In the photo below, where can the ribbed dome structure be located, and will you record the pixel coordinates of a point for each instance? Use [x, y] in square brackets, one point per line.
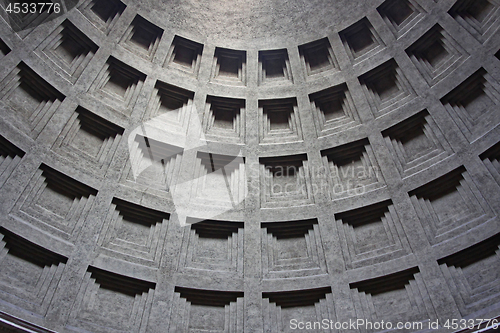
[250, 166]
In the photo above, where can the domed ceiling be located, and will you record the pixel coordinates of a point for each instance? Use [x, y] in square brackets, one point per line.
[250, 166]
[258, 20]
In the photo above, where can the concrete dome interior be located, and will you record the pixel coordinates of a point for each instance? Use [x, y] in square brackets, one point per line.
[250, 166]
[259, 21]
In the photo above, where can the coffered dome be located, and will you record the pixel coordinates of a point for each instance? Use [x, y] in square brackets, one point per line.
[250, 166]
